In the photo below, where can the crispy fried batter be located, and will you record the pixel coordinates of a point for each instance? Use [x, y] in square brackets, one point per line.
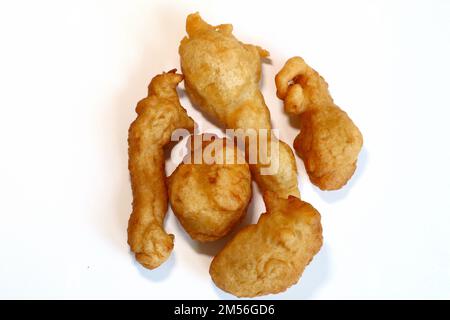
[328, 142]
[222, 77]
[210, 198]
[158, 115]
[270, 256]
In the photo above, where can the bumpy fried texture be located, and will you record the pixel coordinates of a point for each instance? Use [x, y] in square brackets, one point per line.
[158, 115]
[222, 77]
[270, 256]
[328, 142]
[210, 198]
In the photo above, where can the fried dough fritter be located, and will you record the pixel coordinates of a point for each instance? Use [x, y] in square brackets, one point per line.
[222, 77]
[270, 256]
[209, 199]
[329, 142]
[158, 116]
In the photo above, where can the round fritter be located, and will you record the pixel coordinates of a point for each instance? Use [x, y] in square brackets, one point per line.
[210, 199]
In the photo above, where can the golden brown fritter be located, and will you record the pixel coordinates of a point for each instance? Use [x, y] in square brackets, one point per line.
[158, 116]
[270, 256]
[328, 142]
[210, 198]
[222, 77]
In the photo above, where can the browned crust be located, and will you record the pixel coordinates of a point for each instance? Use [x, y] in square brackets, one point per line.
[158, 115]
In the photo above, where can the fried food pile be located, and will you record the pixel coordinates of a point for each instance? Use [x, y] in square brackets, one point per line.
[210, 189]
[222, 77]
[270, 256]
[329, 142]
[158, 116]
[210, 198]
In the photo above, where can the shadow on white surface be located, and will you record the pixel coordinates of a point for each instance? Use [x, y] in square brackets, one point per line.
[313, 278]
[156, 275]
[338, 195]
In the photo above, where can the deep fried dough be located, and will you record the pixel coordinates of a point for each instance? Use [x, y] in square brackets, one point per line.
[158, 115]
[328, 142]
[222, 77]
[270, 256]
[209, 199]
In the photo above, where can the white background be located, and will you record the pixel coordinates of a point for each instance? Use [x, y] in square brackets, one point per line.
[72, 72]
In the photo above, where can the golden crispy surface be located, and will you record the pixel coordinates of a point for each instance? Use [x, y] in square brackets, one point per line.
[270, 256]
[158, 115]
[222, 77]
[210, 199]
[328, 142]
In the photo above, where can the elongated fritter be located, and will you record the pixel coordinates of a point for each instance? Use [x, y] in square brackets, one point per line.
[158, 116]
[270, 256]
[209, 194]
[222, 77]
[329, 142]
